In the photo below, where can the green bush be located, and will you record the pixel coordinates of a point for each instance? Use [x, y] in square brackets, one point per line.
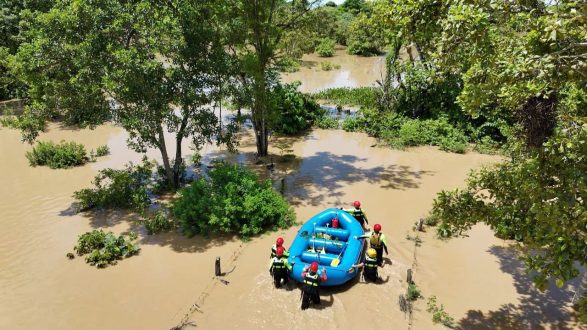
[62, 155]
[326, 122]
[413, 292]
[486, 145]
[102, 151]
[351, 124]
[296, 111]
[326, 47]
[104, 249]
[232, 200]
[361, 96]
[125, 188]
[439, 315]
[433, 132]
[581, 307]
[158, 223]
[288, 64]
[327, 66]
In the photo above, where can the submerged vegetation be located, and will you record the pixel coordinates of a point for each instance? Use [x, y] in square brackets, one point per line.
[62, 155]
[103, 249]
[232, 200]
[126, 188]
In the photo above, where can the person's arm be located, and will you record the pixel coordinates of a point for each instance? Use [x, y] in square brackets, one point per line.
[351, 211]
[362, 236]
[358, 265]
[323, 276]
[288, 265]
[304, 271]
[384, 242]
[365, 217]
[270, 264]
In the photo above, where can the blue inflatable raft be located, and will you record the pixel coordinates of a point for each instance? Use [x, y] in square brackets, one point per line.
[318, 241]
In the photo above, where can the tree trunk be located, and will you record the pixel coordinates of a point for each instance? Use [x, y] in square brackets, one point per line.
[165, 156]
[178, 153]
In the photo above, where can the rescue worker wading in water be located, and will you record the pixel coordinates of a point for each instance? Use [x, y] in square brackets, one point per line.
[359, 214]
[280, 268]
[378, 242]
[370, 265]
[311, 288]
[278, 243]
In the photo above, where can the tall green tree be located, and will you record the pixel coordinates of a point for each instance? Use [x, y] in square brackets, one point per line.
[256, 36]
[145, 65]
[525, 60]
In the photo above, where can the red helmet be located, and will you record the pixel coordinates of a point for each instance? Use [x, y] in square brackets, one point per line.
[279, 241]
[314, 267]
[357, 204]
[377, 227]
[279, 251]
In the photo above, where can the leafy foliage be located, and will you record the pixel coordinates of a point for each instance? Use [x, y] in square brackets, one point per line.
[62, 155]
[326, 122]
[105, 249]
[297, 111]
[158, 223]
[361, 96]
[126, 188]
[102, 151]
[439, 315]
[232, 200]
[364, 37]
[326, 47]
[413, 292]
[327, 66]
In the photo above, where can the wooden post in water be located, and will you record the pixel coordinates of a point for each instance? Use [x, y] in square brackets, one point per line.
[217, 271]
[409, 276]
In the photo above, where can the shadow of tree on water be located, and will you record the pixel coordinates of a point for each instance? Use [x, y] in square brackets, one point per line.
[325, 170]
[535, 309]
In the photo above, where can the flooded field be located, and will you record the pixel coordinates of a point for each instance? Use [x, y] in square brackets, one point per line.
[478, 279]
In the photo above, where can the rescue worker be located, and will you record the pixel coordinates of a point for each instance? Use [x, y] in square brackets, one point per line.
[311, 289]
[377, 241]
[280, 268]
[370, 265]
[278, 243]
[359, 214]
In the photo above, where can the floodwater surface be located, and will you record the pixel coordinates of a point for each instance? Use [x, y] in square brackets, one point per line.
[354, 71]
[478, 278]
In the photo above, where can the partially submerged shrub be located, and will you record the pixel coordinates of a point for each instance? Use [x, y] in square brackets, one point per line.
[126, 188]
[433, 132]
[351, 124]
[327, 66]
[297, 111]
[232, 200]
[103, 249]
[326, 47]
[326, 122]
[439, 315]
[360, 96]
[413, 292]
[288, 64]
[581, 307]
[102, 151]
[62, 155]
[158, 223]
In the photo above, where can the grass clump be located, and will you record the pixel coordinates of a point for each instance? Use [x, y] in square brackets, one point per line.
[158, 223]
[102, 151]
[361, 96]
[413, 292]
[62, 155]
[231, 200]
[126, 188]
[103, 249]
[326, 47]
[439, 315]
[327, 66]
[326, 122]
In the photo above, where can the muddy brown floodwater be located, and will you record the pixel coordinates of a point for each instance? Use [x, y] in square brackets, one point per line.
[478, 279]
